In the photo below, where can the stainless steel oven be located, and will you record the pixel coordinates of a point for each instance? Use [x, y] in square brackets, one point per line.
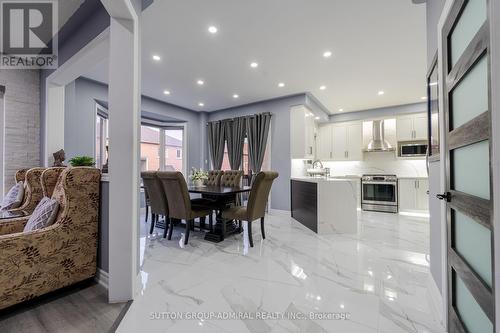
[379, 193]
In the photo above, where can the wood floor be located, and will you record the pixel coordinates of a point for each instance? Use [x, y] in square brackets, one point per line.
[81, 308]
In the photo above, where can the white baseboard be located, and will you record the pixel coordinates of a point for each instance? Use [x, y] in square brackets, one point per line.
[102, 277]
[279, 212]
[435, 299]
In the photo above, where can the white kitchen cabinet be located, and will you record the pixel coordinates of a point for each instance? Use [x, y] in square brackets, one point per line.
[412, 127]
[413, 195]
[347, 142]
[325, 140]
[302, 133]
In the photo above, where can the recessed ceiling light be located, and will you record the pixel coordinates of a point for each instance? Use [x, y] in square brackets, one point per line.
[254, 65]
[340, 110]
[317, 118]
[322, 87]
[380, 93]
[423, 98]
[200, 82]
[281, 84]
[236, 96]
[166, 92]
[201, 104]
[327, 54]
[212, 29]
[156, 57]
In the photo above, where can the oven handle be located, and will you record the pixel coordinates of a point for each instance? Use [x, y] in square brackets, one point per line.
[379, 183]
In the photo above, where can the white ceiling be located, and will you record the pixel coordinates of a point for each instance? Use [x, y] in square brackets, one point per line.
[376, 45]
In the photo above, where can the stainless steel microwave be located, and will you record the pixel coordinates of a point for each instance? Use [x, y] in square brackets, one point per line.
[413, 149]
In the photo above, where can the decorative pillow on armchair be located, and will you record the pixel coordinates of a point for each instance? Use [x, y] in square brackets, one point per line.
[14, 197]
[43, 216]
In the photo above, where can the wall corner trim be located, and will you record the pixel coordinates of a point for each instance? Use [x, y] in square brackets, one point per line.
[102, 277]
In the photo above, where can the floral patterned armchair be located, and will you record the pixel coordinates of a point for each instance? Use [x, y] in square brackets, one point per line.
[32, 190]
[37, 262]
[49, 180]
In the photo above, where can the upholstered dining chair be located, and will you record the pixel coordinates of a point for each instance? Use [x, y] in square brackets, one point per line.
[33, 192]
[49, 180]
[257, 201]
[214, 177]
[231, 178]
[180, 205]
[157, 198]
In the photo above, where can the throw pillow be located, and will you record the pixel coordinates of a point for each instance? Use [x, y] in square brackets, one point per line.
[43, 216]
[14, 197]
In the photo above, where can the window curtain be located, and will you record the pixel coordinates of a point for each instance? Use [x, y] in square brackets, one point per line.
[216, 136]
[257, 133]
[235, 135]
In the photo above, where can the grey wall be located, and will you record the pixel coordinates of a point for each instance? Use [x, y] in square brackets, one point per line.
[79, 120]
[379, 112]
[434, 9]
[280, 140]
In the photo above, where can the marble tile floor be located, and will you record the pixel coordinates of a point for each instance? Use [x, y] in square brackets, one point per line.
[377, 278]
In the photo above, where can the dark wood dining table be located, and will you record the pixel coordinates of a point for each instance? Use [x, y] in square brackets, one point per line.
[223, 228]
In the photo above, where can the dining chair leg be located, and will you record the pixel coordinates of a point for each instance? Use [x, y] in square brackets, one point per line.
[202, 223]
[171, 229]
[167, 223]
[239, 226]
[189, 223]
[262, 228]
[152, 224]
[211, 221]
[250, 238]
[147, 212]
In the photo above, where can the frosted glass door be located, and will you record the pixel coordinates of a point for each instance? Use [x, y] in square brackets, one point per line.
[466, 92]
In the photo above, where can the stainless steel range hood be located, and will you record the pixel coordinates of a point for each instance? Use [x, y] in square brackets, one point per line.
[378, 142]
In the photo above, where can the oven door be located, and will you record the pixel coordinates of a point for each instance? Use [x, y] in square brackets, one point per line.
[380, 193]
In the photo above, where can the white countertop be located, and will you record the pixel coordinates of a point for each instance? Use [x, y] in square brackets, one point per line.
[323, 179]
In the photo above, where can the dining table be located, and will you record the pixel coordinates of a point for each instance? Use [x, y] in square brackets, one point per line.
[223, 228]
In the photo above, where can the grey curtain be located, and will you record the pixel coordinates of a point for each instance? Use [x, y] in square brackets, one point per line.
[257, 133]
[235, 135]
[215, 133]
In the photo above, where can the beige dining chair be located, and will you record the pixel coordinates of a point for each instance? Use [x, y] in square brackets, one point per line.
[257, 201]
[157, 198]
[179, 203]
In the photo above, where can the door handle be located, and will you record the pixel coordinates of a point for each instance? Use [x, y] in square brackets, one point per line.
[445, 196]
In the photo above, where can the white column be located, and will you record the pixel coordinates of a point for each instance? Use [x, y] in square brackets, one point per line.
[124, 122]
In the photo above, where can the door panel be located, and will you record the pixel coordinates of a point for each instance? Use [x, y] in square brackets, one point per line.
[325, 143]
[404, 128]
[472, 241]
[472, 18]
[471, 314]
[470, 98]
[471, 169]
[407, 194]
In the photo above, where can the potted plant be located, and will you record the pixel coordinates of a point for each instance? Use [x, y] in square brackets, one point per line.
[198, 176]
[82, 161]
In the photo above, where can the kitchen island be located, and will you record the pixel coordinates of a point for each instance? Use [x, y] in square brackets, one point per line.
[325, 205]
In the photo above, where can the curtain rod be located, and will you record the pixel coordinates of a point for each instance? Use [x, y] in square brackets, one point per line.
[231, 119]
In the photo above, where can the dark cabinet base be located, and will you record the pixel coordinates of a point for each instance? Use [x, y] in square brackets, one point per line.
[305, 203]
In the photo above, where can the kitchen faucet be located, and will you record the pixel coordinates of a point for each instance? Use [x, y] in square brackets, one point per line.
[315, 162]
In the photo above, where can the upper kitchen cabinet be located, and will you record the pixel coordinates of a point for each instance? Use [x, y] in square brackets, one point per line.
[341, 142]
[302, 132]
[412, 127]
